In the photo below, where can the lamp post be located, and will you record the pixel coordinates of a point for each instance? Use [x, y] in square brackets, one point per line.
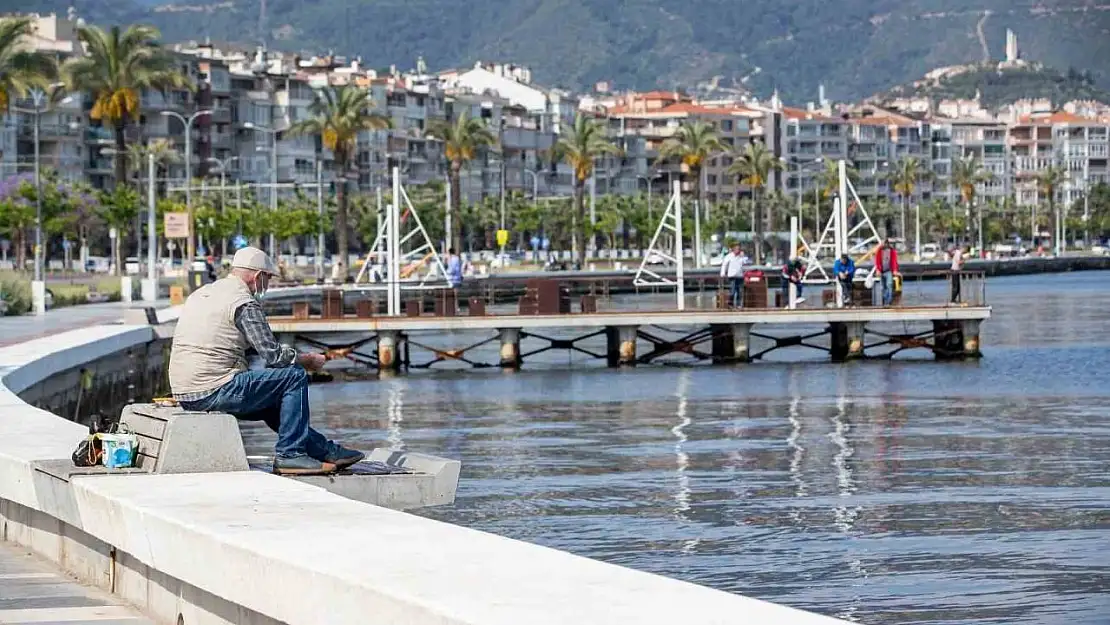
[535, 183]
[797, 168]
[273, 170]
[41, 103]
[223, 165]
[187, 122]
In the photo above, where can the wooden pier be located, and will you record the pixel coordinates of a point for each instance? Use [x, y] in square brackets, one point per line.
[718, 336]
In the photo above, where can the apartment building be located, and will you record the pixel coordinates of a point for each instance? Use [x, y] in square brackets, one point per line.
[1080, 145]
[812, 138]
[982, 139]
[655, 117]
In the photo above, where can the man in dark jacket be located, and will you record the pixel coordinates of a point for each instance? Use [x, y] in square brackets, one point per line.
[792, 273]
[886, 264]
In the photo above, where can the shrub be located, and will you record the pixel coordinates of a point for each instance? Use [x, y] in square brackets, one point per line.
[15, 290]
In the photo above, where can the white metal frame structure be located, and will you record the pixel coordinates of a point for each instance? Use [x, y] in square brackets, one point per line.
[841, 236]
[670, 222]
[388, 250]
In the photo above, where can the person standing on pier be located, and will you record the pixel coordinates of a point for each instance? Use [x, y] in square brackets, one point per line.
[954, 273]
[454, 269]
[732, 269]
[793, 272]
[208, 367]
[845, 270]
[886, 264]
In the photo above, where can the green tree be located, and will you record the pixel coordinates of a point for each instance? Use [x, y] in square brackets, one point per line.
[462, 138]
[579, 146]
[967, 174]
[21, 69]
[1048, 183]
[338, 115]
[119, 208]
[829, 178]
[115, 69]
[908, 172]
[754, 169]
[694, 143]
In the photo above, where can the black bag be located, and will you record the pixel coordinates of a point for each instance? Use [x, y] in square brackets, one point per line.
[89, 452]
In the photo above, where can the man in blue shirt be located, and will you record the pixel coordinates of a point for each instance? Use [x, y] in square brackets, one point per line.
[845, 270]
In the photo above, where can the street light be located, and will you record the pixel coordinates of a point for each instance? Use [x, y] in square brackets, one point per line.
[41, 103]
[273, 169]
[187, 122]
[797, 167]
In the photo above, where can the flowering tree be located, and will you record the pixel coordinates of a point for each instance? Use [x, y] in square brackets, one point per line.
[17, 213]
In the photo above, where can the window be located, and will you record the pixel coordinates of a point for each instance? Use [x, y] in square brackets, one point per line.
[711, 179]
[726, 125]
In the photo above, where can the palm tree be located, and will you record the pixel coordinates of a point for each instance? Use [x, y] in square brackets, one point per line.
[117, 66]
[1048, 181]
[578, 146]
[967, 173]
[907, 173]
[20, 70]
[338, 115]
[829, 178]
[693, 143]
[461, 139]
[754, 168]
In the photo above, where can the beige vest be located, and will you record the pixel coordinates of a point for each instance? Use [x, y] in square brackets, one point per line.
[208, 349]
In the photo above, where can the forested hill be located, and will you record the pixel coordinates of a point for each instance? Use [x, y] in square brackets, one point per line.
[855, 47]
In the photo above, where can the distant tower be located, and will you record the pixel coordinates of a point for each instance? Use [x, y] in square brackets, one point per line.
[262, 22]
[1011, 46]
[821, 95]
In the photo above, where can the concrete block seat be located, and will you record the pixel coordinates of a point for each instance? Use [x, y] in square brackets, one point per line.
[174, 440]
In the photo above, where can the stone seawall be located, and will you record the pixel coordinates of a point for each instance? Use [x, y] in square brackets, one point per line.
[103, 387]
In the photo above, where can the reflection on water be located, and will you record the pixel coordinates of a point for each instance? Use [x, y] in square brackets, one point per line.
[881, 492]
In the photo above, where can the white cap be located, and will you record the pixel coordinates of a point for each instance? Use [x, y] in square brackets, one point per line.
[254, 258]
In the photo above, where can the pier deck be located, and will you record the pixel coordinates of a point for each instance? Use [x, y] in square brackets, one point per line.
[731, 335]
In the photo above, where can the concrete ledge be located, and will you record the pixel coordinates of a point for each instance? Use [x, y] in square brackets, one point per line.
[248, 547]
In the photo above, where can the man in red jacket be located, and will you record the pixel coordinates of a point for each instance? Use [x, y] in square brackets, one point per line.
[886, 264]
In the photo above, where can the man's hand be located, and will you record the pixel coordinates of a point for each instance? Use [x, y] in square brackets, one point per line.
[311, 362]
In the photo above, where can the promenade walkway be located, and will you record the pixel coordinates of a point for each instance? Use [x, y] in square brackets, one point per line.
[33, 591]
[16, 329]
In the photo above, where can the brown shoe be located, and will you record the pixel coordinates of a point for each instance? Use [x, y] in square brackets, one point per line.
[302, 465]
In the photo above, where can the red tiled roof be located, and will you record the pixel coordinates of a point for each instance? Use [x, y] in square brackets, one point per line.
[794, 113]
[884, 120]
[1059, 117]
[659, 95]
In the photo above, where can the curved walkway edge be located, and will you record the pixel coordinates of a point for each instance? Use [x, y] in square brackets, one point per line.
[250, 547]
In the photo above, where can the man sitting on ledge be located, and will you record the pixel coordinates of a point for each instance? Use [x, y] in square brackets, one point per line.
[208, 367]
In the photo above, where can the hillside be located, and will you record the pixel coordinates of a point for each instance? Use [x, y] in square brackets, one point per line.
[997, 87]
[856, 47]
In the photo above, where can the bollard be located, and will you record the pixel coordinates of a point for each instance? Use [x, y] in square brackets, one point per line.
[388, 341]
[510, 348]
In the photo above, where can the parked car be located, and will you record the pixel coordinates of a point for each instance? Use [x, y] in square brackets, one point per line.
[930, 252]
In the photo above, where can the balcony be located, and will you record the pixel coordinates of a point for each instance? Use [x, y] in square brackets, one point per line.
[99, 135]
[48, 131]
[220, 115]
[101, 165]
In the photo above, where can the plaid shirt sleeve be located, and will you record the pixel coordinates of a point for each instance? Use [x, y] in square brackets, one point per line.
[251, 321]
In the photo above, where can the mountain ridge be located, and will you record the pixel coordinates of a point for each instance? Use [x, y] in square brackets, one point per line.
[854, 47]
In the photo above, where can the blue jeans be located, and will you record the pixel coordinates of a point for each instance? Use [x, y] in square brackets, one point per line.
[279, 397]
[888, 287]
[786, 291]
[736, 292]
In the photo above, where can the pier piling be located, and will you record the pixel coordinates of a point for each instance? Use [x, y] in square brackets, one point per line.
[510, 348]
